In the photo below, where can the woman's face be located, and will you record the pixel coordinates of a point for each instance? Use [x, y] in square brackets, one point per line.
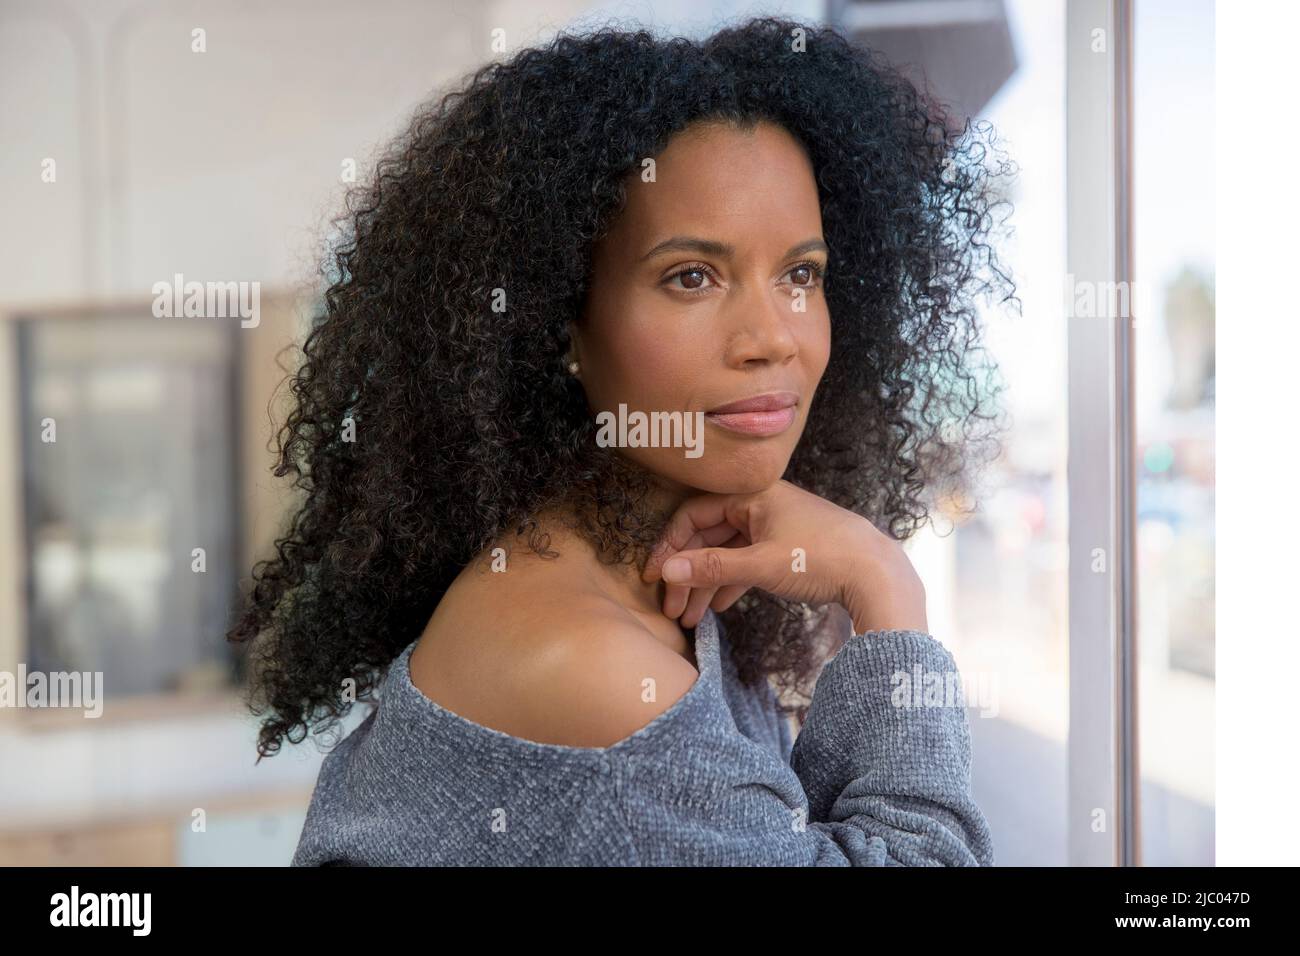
[706, 293]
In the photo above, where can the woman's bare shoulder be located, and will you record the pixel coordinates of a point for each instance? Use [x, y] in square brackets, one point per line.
[544, 657]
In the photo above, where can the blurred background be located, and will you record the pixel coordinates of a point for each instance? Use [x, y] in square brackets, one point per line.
[148, 142]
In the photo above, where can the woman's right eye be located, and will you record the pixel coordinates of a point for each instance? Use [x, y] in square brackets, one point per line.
[692, 279]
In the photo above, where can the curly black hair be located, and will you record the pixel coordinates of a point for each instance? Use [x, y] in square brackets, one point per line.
[466, 423]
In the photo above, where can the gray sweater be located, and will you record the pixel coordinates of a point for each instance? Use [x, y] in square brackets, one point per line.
[873, 779]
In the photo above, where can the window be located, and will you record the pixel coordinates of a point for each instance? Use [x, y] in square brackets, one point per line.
[129, 470]
[1174, 232]
[998, 583]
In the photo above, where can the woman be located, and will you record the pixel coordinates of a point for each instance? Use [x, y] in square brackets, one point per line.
[633, 346]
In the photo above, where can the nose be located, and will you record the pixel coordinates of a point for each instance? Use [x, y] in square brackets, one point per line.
[760, 328]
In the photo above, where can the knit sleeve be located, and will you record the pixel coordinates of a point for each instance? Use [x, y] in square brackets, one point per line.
[885, 750]
[879, 775]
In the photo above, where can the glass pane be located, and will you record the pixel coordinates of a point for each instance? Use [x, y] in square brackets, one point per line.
[1174, 216]
[998, 583]
[129, 468]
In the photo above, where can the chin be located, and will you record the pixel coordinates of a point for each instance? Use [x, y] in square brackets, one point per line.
[720, 470]
[737, 477]
[745, 484]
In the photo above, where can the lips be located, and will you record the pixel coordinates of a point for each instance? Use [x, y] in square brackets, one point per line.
[762, 415]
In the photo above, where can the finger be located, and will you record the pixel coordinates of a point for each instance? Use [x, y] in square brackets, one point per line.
[683, 596]
[696, 606]
[727, 596]
[714, 536]
[719, 567]
[693, 516]
[676, 597]
[718, 536]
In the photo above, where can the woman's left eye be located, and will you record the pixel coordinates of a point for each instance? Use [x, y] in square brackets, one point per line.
[808, 274]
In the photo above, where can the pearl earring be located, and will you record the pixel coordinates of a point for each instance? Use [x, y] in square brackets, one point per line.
[573, 368]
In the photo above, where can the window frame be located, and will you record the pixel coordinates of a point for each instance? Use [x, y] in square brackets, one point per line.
[1102, 754]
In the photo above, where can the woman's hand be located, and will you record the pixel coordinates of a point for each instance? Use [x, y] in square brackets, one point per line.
[790, 543]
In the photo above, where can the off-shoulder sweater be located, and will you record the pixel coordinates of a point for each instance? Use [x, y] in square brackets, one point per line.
[874, 777]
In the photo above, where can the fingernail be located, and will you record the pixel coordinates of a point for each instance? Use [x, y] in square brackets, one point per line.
[676, 570]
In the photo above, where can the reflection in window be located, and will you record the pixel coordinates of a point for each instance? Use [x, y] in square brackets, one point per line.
[997, 585]
[139, 473]
[1174, 227]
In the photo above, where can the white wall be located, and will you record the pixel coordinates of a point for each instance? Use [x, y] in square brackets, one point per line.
[223, 166]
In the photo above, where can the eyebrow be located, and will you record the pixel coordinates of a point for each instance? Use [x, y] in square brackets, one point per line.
[711, 247]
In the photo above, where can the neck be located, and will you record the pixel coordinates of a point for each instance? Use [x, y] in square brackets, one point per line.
[620, 581]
